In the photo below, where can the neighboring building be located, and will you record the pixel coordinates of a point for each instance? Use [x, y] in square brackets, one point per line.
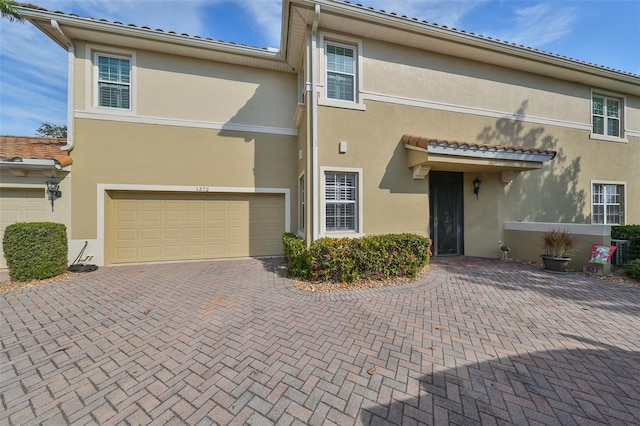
[26, 164]
[364, 122]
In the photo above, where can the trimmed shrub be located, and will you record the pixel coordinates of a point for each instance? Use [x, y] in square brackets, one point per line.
[35, 250]
[633, 269]
[630, 233]
[297, 256]
[352, 259]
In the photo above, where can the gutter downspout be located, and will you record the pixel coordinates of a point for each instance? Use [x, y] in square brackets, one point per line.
[71, 49]
[314, 126]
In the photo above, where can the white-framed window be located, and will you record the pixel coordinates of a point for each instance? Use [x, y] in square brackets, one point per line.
[340, 67]
[113, 81]
[342, 201]
[302, 203]
[608, 203]
[341, 72]
[607, 116]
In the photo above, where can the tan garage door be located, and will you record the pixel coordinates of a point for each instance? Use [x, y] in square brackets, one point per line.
[20, 205]
[155, 226]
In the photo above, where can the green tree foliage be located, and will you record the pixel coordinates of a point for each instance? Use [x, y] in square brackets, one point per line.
[49, 130]
[8, 10]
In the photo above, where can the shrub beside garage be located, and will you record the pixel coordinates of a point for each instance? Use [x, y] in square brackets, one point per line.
[375, 257]
[35, 250]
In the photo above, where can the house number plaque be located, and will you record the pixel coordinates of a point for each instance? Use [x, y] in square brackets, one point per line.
[202, 189]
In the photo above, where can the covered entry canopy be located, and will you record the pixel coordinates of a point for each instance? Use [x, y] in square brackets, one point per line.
[437, 154]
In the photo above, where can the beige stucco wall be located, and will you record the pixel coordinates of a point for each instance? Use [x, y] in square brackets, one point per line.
[181, 88]
[129, 153]
[393, 200]
[410, 73]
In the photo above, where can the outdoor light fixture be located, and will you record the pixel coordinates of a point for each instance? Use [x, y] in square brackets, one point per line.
[53, 190]
[476, 186]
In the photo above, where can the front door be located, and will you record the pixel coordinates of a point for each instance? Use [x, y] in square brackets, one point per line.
[445, 210]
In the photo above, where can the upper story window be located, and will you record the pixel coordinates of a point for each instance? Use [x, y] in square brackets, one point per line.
[607, 203]
[607, 114]
[340, 72]
[114, 81]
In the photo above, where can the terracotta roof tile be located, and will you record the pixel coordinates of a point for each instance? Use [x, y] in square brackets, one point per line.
[424, 143]
[34, 148]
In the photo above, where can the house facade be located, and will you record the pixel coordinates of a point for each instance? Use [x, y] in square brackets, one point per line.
[362, 123]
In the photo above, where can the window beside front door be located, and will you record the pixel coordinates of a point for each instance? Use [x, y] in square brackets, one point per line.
[342, 202]
[607, 203]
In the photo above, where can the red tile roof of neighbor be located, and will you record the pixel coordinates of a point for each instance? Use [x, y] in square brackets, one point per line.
[34, 148]
[424, 143]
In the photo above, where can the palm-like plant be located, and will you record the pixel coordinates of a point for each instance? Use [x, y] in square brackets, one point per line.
[558, 243]
[8, 10]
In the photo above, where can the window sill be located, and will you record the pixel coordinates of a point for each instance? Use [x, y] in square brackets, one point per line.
[342, 104]
[338, 234]
[599, 137]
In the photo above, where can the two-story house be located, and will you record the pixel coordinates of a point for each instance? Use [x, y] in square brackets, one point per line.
[364, 122]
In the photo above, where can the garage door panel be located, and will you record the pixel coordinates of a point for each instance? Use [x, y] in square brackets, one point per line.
[180, 226]
[20, 205]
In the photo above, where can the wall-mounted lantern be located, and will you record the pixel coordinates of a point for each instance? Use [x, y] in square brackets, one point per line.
[53, 189]
[476, 186]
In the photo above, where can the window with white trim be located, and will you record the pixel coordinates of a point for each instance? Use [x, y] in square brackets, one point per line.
[341, 201]
[340, 61]
[607, 115]
[302, 203]
[607, 203]
[114, 81]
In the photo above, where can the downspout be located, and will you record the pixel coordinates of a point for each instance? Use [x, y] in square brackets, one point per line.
[314, 126]
[71, 49]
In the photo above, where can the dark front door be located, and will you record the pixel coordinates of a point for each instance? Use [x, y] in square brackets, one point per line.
[445, 209]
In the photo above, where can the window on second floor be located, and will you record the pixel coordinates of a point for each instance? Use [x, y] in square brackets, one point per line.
[607, 203]
[341, 72]
[607, 116]
[114, 81]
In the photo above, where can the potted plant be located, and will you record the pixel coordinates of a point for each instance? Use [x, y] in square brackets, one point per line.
[558, 247]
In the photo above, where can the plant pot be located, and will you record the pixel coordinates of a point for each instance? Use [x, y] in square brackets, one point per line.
[555, 264]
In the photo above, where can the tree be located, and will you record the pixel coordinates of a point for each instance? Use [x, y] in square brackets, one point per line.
[49, 130]
[8, 10]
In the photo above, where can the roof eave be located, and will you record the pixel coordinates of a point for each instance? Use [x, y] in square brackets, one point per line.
[42, 18]
[474, 41]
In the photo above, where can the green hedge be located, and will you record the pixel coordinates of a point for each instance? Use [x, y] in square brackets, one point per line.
[352, 259]
[35, 250]
[630, 233]
[633, 269]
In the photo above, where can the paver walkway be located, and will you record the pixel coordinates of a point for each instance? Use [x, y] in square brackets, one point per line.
[478, 341]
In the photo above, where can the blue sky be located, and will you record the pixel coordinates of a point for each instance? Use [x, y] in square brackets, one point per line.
[33, 68]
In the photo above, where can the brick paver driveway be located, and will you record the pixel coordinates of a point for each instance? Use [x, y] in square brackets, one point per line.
[478, 341]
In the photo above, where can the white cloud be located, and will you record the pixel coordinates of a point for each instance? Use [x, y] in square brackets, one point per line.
[267, 14]
[441, 12]
[539, 25]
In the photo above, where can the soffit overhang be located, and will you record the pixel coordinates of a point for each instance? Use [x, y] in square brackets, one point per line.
[443, 155]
